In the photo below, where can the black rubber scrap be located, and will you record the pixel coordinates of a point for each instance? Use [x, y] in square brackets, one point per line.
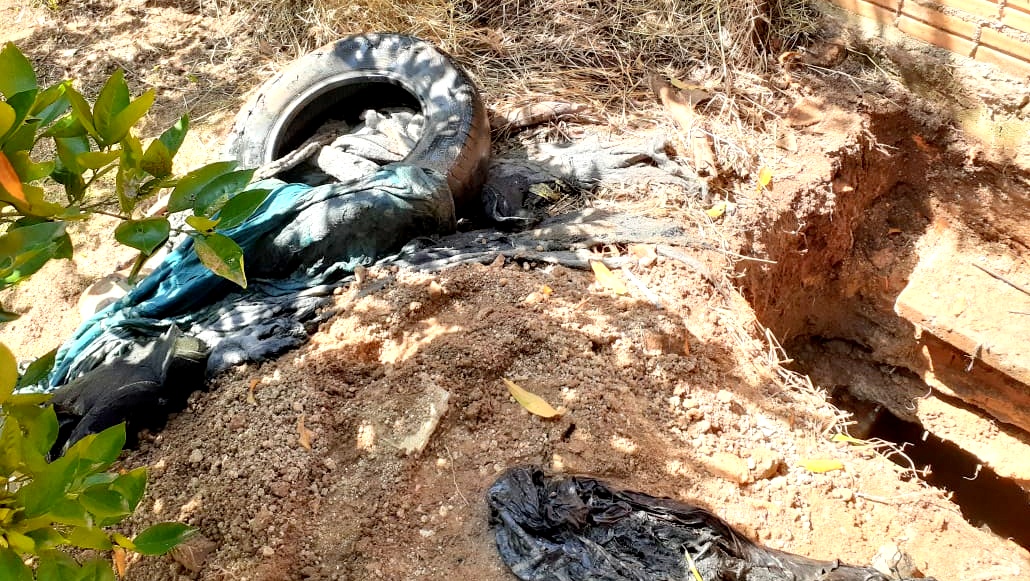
[554, 528]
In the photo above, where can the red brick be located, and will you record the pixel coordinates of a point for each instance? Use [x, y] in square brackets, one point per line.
[981, 8]
[1016, 18]
[939, 19]
[941, 38]
[1005, 43]
[1007, 63]
[869, 10]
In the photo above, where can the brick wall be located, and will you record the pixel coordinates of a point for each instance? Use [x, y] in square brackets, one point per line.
[992, 31]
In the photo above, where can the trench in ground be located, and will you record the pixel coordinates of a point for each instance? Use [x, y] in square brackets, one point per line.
[830, 299]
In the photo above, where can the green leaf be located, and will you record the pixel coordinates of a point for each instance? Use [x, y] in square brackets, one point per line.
[57, 566]
[130, 176]
[18, 76]
[27, 399]
[21, 543]
[131, 486]
[25, 250]
[222, 256]
[89, 538]
[80, 109]
[68, 512]
[67, 126]
[95, 160]
[45, 538]
[184, 196]
[8, 373]
[162, 537]
[50, 103]
[102, 502]
[42, 431]
[112, 100]
[202, 224]
[22, 139]
[217, 192]
[96, 570]
[157, 161]
[240, 207]
[145, 235]
[11, 566]
[128, 117]
[48, 486]
[38, 369]
[100, 450]
[173, 137]
[123, 541]
[99, 478]
[7, 117]
[28, 170]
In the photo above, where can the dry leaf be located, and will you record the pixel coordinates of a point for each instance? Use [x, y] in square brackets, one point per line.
[119, 561]
[532, 402]
[848, 439]
[10, 181]
[764, 178]
[607, 279]
[304, 434]
[820, 465]
[546, 290]
[680, 108]
[250, 391]
[716, 211]
[545, 192]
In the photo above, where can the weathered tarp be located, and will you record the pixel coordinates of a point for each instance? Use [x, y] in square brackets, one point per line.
[301, 241]
[578, 529]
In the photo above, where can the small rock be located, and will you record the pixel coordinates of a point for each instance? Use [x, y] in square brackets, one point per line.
[267, 551]
[728, 466]
[767, 463]
[196, 456]
[891, 560]
[280, 489]
[436, 290]
[846, 494]
[724, 396]
[194, 552]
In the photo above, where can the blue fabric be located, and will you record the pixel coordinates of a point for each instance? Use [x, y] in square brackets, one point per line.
[299, 243]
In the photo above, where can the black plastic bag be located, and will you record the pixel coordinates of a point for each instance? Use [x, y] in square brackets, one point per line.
[579, 529]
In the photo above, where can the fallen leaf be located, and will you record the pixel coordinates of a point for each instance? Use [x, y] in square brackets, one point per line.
[546, 290]
[716, 211]
[250, 391]
[545, 192]
[304, 434]
[532, 402]
[119, 561]
[820, 465]
[764, 178]
[607, 279]
[10, 181]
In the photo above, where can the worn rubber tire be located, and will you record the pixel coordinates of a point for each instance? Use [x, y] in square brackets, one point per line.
[342, 79]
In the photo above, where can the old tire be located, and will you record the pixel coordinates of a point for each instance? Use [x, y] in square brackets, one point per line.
[373, 71]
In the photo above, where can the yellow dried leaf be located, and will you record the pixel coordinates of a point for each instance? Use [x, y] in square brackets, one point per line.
[848, 439]
[546, 290]
[545, 192]
[532, 402]
[765, 177]
[716, 211]
[304, 434]
[820, 465]
[250, 391]
[119, 561]
[607, 279]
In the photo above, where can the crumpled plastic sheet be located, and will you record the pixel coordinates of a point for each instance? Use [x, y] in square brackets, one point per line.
[296, 246]
[571, 528]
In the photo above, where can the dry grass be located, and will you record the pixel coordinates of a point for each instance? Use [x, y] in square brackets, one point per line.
[583, 50]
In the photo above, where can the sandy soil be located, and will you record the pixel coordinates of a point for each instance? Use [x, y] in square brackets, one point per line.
[682, 401]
